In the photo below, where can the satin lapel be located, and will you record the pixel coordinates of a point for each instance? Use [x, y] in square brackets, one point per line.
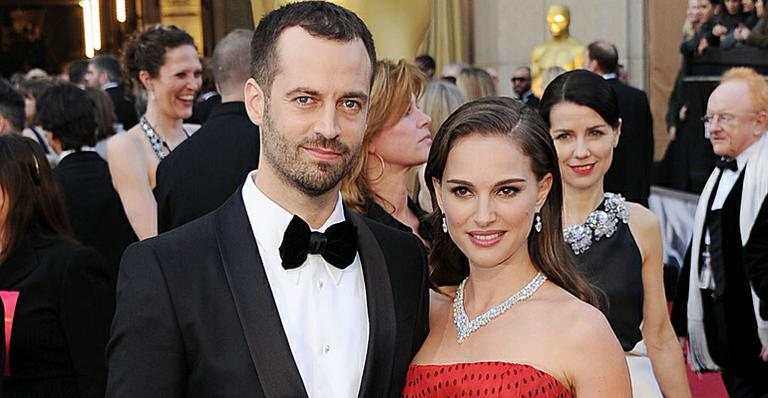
[267, 343]
[22, 262]
[381, 312]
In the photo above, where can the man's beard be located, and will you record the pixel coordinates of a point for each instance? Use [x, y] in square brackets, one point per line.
[311, 178]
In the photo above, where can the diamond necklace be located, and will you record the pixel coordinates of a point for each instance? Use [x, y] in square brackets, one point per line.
[599, 224]
[154, 139]
[465, 327]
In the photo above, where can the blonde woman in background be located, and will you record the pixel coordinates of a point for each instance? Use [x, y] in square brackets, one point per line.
[475, 83]
[397, 138]
[439, 100]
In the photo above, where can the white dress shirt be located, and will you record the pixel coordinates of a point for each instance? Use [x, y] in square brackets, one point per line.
[323, 309]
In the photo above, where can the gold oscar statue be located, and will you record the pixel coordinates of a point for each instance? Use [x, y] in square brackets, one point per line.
[560, 51]
[398, 26]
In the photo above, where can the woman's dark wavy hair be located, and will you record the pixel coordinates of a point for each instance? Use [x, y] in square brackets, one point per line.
[145, 49]
[32, 198]
[585, 88]
[508, 118]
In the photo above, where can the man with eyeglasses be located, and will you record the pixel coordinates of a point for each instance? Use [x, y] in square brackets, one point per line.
[521, 84]
[721, 302]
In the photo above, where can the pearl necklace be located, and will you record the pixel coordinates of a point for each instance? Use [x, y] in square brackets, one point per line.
[465, 327]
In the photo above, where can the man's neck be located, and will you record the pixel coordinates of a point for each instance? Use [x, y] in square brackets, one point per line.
[315, 210]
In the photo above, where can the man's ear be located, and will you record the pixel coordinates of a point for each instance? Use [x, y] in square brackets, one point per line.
[254, 101]
[761, 122]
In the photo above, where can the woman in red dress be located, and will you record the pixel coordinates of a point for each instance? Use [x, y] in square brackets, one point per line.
[509, 316]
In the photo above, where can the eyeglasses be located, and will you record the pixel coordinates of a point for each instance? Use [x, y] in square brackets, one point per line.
[519, 79]
[724, 119]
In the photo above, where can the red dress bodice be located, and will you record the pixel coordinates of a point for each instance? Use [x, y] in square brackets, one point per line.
[481, 379]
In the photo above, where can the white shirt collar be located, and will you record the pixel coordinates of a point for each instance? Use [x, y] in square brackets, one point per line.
[269, 222]
[109, 85]
[743, 157]
[68, 152]
[609, 76]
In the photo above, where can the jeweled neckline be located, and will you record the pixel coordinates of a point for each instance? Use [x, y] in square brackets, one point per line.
[465, 327]
[601, 223]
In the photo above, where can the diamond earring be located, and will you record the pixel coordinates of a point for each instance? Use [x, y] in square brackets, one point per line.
[537, 223]
[445, 225]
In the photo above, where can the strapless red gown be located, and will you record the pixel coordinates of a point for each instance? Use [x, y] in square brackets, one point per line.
[481, 379]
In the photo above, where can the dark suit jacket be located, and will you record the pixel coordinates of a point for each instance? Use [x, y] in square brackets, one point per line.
[630, 172]
[196, 317]
[94, 209]
[125, 106]
[201, 111]
[61, 324]
[199, 175]
[729, 321]
[756, 258]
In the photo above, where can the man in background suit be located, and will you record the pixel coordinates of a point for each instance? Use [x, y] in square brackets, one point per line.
[94, 209]
[716, 305]
[104, 73]
[199, 175]
[630, 172]
[521, 85]
[281, 292]
[11, 109]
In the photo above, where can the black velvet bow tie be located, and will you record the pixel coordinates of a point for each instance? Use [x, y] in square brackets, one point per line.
[338, 245]
[724, 163]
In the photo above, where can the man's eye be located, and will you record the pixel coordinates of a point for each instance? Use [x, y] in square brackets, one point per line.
[304, 100]
[351, 104]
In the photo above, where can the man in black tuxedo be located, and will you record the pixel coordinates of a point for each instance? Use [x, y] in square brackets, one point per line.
[521, 85]
[104, 73]
[630, 172]
[202, 172]
[246, 301]
[716, 305]
[94, 209]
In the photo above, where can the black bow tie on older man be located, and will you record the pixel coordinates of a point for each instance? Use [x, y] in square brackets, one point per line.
[337, 245]
[724, 163]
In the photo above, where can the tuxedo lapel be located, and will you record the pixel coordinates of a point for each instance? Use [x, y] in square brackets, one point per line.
[259, 318]
[381, 312]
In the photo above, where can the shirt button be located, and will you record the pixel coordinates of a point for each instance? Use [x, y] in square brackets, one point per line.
[320, 284]
[326, 348]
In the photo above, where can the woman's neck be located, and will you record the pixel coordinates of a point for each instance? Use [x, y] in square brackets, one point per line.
[579, 203]
[166, 127]
[487, 287]
[391, 188]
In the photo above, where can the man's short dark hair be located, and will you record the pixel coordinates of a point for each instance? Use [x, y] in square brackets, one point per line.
[229, 70]
[605, 54]
[426, 63]
[12, 106]
[320, 19]
[77, 70]
[69, 114]
[109, 64]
